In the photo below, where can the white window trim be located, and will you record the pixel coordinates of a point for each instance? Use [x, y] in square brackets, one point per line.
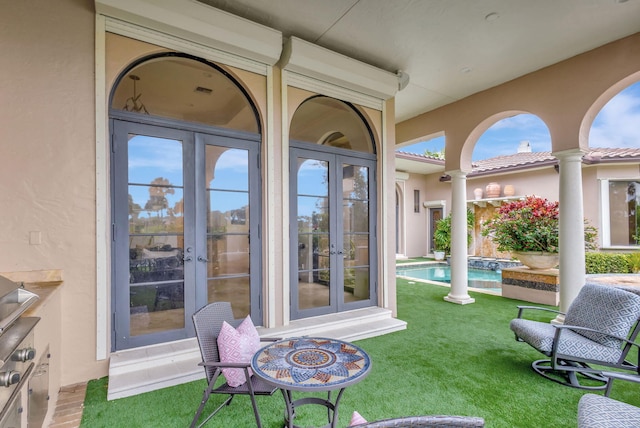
[193, 27]
[605, 219]
[320, 70]
[213, 35]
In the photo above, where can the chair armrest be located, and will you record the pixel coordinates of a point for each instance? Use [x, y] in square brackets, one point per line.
[225, 365]
[624, 376]
[270, 339]
[521, 309]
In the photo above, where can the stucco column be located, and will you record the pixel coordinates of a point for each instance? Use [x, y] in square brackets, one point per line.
[571, 228]
[459, 277]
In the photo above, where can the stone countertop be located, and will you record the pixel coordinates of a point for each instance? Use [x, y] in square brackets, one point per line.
[44, 292]
[43, 283]
[616, 279]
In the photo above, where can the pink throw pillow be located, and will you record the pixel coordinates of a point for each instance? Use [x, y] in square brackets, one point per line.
[357, 419]
[237, 346]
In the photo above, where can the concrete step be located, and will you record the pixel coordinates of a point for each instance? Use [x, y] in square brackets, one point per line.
[148, 368]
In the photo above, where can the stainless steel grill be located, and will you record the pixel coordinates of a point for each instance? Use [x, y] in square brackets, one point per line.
[17, 347]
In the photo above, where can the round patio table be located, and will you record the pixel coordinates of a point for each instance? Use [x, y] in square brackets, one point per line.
[311, 364]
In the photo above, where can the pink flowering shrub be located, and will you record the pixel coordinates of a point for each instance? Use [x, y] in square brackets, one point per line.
[528, 225]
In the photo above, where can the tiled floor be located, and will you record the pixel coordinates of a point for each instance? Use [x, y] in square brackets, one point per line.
[68, 412]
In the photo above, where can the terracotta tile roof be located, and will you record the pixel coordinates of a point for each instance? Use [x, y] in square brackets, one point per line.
[519, 161]
[536, 159]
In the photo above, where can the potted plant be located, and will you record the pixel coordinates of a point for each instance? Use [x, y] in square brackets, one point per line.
[528, 229]
[442, 235]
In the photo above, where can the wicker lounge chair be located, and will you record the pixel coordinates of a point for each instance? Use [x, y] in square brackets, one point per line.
[600, 327]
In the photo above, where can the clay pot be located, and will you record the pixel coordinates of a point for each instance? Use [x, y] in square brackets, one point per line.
[509, 190]
[477, 193]
[493, 190]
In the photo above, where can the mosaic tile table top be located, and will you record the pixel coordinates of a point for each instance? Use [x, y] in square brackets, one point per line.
[311, 364]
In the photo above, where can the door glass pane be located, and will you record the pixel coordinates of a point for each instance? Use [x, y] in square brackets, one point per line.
[234, 290]
[156, 235]
[355, 219]
[227, 219]
[313, 234]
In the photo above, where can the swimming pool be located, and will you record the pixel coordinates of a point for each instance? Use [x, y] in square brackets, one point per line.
[478, 278]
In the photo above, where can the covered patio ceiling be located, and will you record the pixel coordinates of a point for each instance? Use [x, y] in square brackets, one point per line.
[449, 48]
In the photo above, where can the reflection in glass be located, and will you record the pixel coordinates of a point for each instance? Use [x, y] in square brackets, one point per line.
[330, 122]
[234, 290]
[355, 213]
[624, 212]
[227, 255]
[313, 214]
[228, 209]
[156, 308]
[198, 92]
[226, 168]
[313, 177]
[228, 226]
[155, 185]
[313, 238]
[156, 234]
[356, 284]
[355, 182]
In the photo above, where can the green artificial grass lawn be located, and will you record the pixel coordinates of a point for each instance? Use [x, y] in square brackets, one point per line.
[452, 359]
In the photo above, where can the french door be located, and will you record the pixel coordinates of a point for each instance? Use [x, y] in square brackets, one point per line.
[186, 209]
[332, 211]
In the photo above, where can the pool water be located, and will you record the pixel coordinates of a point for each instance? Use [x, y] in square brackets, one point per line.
[478, 278]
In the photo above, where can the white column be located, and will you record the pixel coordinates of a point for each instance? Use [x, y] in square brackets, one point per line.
[459, 277]
[571, 227]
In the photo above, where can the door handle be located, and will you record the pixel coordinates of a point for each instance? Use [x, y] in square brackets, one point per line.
[187, 258]
[202, 259]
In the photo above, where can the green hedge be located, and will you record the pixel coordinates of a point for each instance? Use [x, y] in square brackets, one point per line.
[611, 262]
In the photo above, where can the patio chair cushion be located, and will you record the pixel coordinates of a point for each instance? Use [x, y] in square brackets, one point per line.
[596, 411]
[237, 345]
[616, 311]
[356, 419]
[540, 335]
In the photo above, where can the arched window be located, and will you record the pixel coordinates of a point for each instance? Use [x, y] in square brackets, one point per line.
[330, 122]
[333, 208]
[186, 200]
[185, 88]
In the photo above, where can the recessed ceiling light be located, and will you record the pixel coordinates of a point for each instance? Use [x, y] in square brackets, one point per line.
[492, 16]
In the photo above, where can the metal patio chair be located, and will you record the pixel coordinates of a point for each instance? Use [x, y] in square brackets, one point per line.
[208, 322]
[600, 328]
[596, 411]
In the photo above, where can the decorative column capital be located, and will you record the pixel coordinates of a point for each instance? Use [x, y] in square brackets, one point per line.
[570, 155]
[457, 173]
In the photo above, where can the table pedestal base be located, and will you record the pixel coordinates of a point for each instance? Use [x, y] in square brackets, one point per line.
[291, 405]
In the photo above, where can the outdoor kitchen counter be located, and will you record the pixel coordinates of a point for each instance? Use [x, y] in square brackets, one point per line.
[45, 292]
[48, 336]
